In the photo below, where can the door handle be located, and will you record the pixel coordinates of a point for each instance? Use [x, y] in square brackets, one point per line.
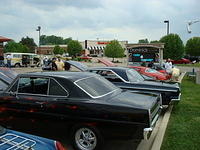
[40, 103]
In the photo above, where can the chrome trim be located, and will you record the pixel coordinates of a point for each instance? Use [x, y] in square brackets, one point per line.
[153, 123]
[84, 78]
[11, 85]
[90, 94]
[176, 100]
[44, 95]
[150, 89]
[147, 131]
[61, 87]
[112, 72]
[149, 111]
[160, 100]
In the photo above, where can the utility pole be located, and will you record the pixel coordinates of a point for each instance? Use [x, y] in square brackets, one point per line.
[38, 29]
[167, 21]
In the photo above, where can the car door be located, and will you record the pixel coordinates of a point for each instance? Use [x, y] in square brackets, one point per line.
[60, 105]
[27, 96]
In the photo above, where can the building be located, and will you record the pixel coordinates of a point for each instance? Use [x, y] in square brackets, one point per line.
[48, 49]
[145, 52]
[3, 39]
[96, 47]
[92, 47]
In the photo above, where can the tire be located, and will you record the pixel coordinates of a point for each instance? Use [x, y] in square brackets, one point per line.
[84, 137]
[17, 65]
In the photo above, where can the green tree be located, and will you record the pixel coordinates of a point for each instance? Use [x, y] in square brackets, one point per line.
[174, 47]
[114, 50]
[53, 40]
[193, 46]
[29, 42]
[143, 41]
[67, 40]
[74, 48]
[155, 41]
[58, 50]
[12, 46]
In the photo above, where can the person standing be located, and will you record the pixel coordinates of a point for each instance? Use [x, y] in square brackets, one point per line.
[168, 66]
[60, 64]
[1, 61]
[8, 57]
[53, 65]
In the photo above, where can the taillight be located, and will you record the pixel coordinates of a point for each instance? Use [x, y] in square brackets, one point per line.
[59, 146]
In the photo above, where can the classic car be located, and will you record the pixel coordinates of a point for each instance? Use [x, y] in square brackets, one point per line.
[13, 140]
[93, 107]
[151, 72]
[181, 61]
[130, 79]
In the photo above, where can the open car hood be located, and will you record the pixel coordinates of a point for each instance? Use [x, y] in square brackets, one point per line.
[106, 62]
[78, 65]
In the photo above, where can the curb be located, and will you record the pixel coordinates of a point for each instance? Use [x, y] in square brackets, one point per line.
[156, 139]
[160, 135]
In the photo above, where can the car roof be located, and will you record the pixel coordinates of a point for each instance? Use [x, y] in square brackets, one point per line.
[64, 74]
[110, 68]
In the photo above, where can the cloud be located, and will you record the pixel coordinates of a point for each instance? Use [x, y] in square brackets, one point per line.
[105, 19]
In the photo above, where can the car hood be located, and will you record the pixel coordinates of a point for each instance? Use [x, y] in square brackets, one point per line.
[78, 65]
[135, 100]
[41, 143]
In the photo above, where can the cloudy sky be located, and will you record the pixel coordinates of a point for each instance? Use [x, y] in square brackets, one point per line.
[103, 19]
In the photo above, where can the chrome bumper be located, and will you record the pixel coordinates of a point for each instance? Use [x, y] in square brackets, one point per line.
[175, 101]
[147, 131]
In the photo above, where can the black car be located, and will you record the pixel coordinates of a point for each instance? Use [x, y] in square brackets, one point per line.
[94, 107]
[130, 79]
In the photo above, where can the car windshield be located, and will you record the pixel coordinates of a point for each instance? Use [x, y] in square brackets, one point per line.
[151, 70]
[96, 86]
[134, 76]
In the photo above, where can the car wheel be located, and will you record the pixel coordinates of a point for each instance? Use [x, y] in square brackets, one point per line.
[86, 137]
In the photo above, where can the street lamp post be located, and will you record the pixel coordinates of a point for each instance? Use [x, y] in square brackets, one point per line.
[167, 21]
[189, 23]
[38, 29]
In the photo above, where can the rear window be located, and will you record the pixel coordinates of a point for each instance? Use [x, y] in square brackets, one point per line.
[134, 76]
[96, 86]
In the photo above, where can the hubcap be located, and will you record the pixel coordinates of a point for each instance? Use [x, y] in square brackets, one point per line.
[85, 139]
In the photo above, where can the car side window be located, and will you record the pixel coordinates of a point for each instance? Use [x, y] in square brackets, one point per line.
[14, 87]
[109, 75]
[56, 89]
[33, 85]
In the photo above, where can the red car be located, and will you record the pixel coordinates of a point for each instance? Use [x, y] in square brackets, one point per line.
[151, 72]
[181, 61]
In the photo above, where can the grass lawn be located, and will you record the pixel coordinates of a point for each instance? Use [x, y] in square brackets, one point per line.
[189, 65]
[183, 130]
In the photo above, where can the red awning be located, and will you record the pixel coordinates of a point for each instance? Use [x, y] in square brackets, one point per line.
[4, 39]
